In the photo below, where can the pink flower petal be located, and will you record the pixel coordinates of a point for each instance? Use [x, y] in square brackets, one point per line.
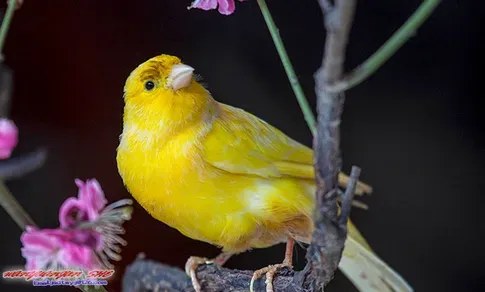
[92, 197]
[97, 195]
[93, 240]
[71, 211]
[75, 255]
[69, 248]
[40, 247]
[226, 7]
[204, 4]
[39, 241]
[8, 137]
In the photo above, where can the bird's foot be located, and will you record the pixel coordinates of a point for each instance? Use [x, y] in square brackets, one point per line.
[191, 268]
[194, 262]
[270, 272]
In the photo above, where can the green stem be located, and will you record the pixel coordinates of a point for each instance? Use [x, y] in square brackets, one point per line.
[295, 84]
[6, 23]
[389, 48]
[13, 208]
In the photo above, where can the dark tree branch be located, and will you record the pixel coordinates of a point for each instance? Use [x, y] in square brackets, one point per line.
[148, 275]
[330, 232]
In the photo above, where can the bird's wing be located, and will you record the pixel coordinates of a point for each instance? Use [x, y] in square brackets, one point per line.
[241, 143]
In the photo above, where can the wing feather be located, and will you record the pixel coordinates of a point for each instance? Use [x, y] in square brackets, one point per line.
[241, 143]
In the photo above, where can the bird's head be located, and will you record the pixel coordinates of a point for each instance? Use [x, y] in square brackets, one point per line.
[166, 86]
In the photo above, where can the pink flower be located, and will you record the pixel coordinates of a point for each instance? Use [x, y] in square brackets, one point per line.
[89, 235]
[86, 207]
[54, 248]
[92, 195]
[8, 137]
[226, 7]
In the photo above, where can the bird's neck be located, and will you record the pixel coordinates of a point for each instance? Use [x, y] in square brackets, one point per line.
[169, 117]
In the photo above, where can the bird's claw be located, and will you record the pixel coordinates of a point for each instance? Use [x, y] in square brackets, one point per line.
[191, 270]
[270, 272]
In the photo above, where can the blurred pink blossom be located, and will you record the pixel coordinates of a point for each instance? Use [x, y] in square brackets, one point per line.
[86, 207]
[54, 248]
[8, 137]
[88, 236]
[226, 7]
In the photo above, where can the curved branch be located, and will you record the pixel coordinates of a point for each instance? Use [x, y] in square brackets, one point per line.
[19, 166]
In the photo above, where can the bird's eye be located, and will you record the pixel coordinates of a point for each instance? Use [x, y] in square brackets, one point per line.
[149, 85]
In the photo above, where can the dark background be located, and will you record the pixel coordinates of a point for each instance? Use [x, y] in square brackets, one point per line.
[414, 127]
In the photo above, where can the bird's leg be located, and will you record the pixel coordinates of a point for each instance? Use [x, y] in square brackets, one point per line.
[194, 262]
[271, 270]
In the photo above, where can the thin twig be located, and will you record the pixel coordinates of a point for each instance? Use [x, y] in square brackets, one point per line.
[387, 50]
[13, 208]
[14, 168]
[348, 196]
[6, 24]
[290, 72]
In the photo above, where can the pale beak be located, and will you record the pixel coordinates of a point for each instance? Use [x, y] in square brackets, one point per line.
[180, 77]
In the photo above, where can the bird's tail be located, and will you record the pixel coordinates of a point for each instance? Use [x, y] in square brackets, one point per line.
[363, 267]
[367, 271]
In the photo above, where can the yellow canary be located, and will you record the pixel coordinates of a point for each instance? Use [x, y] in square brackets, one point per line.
[221, 175]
